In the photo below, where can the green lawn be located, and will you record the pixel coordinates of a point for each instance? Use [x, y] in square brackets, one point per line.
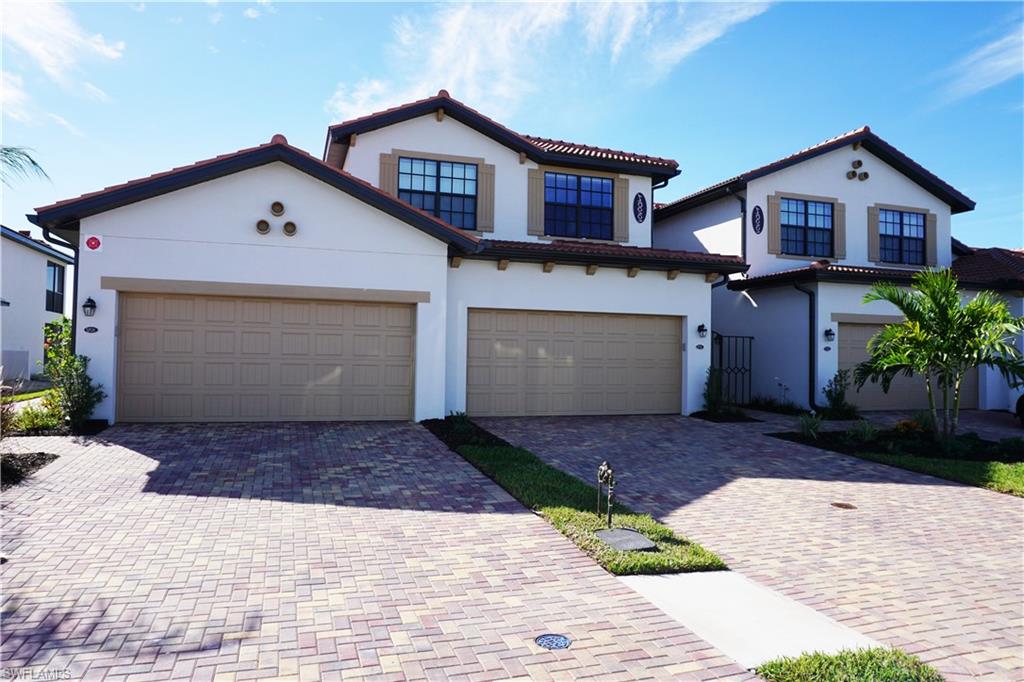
[569, 504]
[863, 665]
[998, 476]
[25, 396]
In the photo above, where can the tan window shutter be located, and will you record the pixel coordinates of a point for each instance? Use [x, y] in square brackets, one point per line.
[620, 215]
[535, 202]
[485, 198]
[774, 231]
[389, 173]
[874, 238]
[931, 241]
[839, 231]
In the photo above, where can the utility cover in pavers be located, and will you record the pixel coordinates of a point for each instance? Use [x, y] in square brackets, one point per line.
[626, 540]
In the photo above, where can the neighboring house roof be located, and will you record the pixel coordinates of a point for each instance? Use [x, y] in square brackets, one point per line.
[958, 202]
[959, 248]
[824, 271]
[36, 245]
[995, 267]
[614, 255]
[539, 149]
[67, 213]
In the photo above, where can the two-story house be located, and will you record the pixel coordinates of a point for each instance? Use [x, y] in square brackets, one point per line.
[36, 288]
[432, 261]
[817, 229]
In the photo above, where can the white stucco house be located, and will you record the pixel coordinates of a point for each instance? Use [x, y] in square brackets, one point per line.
[36, 287]
[432, 261]
[817, 229]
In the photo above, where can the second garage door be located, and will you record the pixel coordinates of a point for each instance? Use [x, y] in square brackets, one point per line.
[556, 363]
[208, 358]
[904, 393]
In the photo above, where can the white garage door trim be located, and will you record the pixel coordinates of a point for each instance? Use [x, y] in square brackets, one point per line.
[187, 358]
[533, 362]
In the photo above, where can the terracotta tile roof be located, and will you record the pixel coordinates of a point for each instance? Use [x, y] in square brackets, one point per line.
[24, 238]
[957, 201]
[278, 149]
[824, 270]
[540, 147]
[586, 252]
[1001, 268]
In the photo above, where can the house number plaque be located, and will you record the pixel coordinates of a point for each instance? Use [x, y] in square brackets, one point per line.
[757, 218]
[90, 330]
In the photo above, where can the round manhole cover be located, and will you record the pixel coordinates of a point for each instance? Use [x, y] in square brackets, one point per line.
[549, 641]
[843, 505]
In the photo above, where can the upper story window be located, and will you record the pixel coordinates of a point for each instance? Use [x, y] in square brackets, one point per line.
[806, 227]
[54, 288]
[577, 206]
[446, 189]
[901, 236]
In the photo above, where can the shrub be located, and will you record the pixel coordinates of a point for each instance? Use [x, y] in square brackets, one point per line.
[908, 426]
[810, 426]
[713, 400]
[863, 432]
[1012, 446]
[74, 394]
[835, 395]
[32, 419]
[769, 404]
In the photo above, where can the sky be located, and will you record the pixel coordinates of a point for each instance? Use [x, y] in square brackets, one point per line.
[103, 93]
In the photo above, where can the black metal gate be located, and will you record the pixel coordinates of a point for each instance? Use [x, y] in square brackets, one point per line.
[731, 355]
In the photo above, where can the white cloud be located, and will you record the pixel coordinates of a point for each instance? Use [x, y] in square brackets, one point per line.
[49, 34]
[251, 13]
[138, 6]
[176, 20]
[65, 124]
[213, 49]
[216, 17]
[495, 55]
[267, 6]
[95, 92]
[987, 66]
[13, 98]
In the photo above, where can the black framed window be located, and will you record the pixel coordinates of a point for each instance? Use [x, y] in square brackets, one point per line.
[447, 189]
[901, 236]
[577, 206]
[806, 227]
[54, 288]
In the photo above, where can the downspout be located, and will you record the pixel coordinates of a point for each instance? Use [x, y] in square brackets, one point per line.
[812, 338]
[57, 241]
[743, 223]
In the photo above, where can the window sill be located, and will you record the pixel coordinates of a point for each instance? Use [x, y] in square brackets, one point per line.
[591, 240]
[792, 256]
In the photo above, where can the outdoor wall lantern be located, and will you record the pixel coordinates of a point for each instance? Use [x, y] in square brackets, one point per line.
[89, 307]
[702, 331]
[830, 335]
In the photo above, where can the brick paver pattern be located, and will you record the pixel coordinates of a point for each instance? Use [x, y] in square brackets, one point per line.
[933, 567]
[309, 551]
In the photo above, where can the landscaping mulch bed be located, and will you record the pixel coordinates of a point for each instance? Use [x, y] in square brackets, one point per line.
[568, 503]
[729, 417]
[16, 467]
[965, 447]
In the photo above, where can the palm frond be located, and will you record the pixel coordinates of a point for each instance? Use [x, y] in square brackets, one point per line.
[17, 162]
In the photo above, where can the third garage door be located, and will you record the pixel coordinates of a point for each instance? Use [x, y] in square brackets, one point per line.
[905, 393]
[556, 363]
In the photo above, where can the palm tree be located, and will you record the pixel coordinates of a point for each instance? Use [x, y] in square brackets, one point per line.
[17, 162]
[941, 339]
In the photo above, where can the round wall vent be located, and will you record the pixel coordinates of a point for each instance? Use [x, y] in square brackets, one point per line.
[850, 175]
[857, 163]
[277, 208]
[863, 176]
[290, 228]
[262, 226]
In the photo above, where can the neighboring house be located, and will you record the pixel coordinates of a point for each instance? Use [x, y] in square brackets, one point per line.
[36, 288]
[434, 261]
[1000, 270]
[818, 228]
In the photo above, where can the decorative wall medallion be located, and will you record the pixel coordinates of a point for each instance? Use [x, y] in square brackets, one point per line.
[290, 228]
[757, 219]
[90, 330]
[262, 226]
[93, 242]
[640, 207]
[277, 208]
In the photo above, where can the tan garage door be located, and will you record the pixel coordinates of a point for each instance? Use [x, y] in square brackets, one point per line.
[205, 358]
[551, 363]
[905, 393]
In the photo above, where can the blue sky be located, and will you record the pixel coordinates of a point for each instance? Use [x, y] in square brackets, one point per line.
[105, 93]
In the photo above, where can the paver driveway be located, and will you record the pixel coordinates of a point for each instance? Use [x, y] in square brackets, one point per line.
[311, 551]
[935, 568]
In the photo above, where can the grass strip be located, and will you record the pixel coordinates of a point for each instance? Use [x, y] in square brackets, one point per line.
[25, 396]
[569, 504]
[879, 664]
[998, 476]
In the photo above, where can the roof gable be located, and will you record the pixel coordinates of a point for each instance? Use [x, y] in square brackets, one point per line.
[957, 201]
[66, 214]
[538, 149]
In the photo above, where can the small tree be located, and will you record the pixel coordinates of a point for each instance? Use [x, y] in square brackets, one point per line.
[941, 339]
[74, 393]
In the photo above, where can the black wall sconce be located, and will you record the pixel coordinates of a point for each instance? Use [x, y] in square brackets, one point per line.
[702, 330]
[89, 307]
[830, 335]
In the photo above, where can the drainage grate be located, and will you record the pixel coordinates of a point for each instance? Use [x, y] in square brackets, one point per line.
[549, 641]
[843, 505]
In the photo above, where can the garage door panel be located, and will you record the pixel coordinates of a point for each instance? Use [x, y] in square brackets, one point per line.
[572, 363]
[196, 358]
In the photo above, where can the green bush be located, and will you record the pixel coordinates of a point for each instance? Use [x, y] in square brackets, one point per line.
[1012, 446]
[713, 400]
[32, 419]
[835, 396]
[769, 404]
[810, 426]
[862, 432]
[862, 665]
[74, 393]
